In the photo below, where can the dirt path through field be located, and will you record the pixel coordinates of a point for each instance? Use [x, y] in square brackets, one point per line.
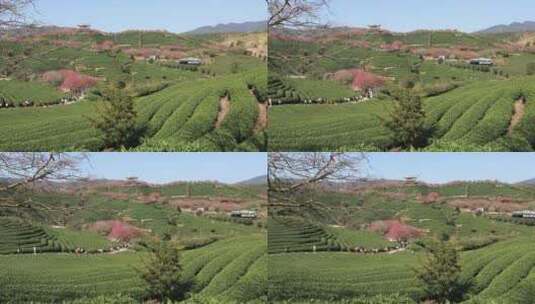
[517, 116]
[261, 121]
[397, 250]
[224, 108]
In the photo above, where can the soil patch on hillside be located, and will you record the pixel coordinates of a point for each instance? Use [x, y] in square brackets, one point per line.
[224, 108]
[520, 105]
[489, 204]
[261, 122]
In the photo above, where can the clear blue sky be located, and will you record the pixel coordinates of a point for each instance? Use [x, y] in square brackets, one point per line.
[446, 167]
[408, 15]
[168, 167]
[172, 15]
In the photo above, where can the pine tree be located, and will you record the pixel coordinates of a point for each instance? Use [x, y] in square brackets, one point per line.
[440, 273]
[407, 121]
[116, 120]
[162, 274]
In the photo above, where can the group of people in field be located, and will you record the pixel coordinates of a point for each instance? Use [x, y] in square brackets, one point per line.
[79, 250]
[4, 103]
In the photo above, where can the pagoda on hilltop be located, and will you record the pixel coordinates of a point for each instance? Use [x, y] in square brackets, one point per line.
[375, 27]
[411, 180]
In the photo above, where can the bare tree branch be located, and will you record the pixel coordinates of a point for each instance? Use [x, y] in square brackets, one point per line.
[295, 13]
[292, 175]
[292, 171]
[13, 13]
[19, 170]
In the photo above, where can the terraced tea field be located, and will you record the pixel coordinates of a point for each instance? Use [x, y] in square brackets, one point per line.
[292, 234]
[476, 117]
[47, 129]
[313, 73]
[56, 277]
[69, 240]
[470, 189]
[343, 275]
[19, 236]
[498, 272]
[293, 57]
[211, 189]
[38, 93]
[326, 127]
[234, 269]
[181, 117]
[363, 239]
[179, 107]
[371, 240]
[187, 114]
[90, 241]
[288, 91]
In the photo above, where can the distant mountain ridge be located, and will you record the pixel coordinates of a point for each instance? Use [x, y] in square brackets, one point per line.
[530, 182]
[515, 27]
[258, 180]
[244, 27]
[53, 30]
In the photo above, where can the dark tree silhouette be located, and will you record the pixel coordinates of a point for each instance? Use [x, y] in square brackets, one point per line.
[21, 172]
[292, 173]
[440, 273]
[162, 273]
[295, 13]
[13, 13]
[116, 120]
